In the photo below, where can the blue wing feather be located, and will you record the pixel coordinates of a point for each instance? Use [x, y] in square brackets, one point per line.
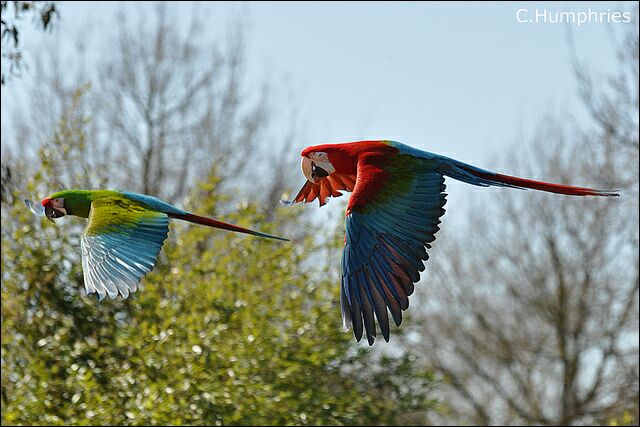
[385, 246]
[115, 261]
[154, 203]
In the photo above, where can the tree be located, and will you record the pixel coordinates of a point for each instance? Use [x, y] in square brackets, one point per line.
[12, 13]
[169, 104]
[227, 329]
[178, 104]
[531, 309]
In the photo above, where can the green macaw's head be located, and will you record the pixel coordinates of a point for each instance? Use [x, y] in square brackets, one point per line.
[67, 202]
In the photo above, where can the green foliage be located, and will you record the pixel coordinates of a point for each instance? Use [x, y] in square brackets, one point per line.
[626, 419]
[227, 329]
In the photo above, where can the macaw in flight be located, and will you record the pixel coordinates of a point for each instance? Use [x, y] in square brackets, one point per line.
[397, 199]
[123, 236]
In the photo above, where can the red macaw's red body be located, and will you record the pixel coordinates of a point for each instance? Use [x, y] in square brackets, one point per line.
[392, 217]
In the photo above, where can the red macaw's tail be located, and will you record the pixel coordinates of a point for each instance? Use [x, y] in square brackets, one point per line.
[210, 222]
[476, 176]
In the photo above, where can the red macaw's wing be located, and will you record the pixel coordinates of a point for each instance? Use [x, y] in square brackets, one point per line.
[326, 187]
[391, 222]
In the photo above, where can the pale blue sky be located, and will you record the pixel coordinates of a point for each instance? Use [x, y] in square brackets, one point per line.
[461, 79]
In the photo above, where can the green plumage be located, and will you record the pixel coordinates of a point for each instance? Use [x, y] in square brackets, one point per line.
[78, 202]
[402, 170]
[124, 234]
[114, 212]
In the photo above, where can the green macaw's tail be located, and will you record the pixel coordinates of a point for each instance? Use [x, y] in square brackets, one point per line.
[210, 222]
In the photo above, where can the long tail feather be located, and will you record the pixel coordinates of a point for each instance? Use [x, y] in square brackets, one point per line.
[547, 186]
[476, 176]
[210, 222]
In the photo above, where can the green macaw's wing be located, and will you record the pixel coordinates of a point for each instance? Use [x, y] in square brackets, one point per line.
[120, 245]
[385, 244]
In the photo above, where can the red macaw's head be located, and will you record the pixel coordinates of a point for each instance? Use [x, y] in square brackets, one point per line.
[54, 208]
[316, 165]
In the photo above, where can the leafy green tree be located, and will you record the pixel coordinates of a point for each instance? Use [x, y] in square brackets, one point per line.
[227, 329]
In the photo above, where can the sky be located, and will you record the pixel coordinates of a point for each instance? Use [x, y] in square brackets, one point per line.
[462, 79]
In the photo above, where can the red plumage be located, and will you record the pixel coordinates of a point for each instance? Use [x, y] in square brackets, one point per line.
[569, 190]
[385, 245]
[347, 159]
[210, 222]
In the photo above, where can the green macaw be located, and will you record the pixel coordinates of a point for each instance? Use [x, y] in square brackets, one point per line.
[124, 235]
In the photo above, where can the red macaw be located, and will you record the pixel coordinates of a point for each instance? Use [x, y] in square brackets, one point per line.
[392, 217]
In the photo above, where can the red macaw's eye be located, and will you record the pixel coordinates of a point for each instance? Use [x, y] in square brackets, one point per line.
[320, 157]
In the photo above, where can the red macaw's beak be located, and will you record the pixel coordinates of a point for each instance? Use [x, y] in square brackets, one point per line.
[54, 208]
[314, 171]
[306, 168]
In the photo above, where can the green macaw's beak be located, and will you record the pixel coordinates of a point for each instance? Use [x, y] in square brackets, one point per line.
[49, 211]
